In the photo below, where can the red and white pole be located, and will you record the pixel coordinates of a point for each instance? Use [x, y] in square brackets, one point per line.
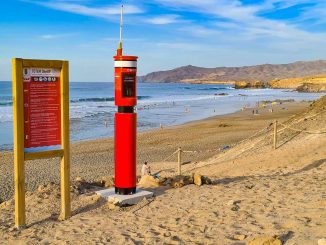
[125, 73]
[125, 68]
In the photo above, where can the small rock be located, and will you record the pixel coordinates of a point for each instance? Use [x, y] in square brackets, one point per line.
[265, 240]
[148, 181]
[206, 180]
[232, 202]
[189, 179]
[239, 237]
[321, 241]
[198, 179]
[181, 180]
[166, 181]
[249, 186]
[167, 234]
[107, 181]
[235, 208]
[178, 184]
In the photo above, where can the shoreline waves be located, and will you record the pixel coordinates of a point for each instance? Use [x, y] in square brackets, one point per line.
[92, 106]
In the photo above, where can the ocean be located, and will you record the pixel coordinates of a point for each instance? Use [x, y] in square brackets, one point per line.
[92, 106]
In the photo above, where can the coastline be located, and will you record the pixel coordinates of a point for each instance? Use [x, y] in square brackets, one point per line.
[92, 159]
[92, 108]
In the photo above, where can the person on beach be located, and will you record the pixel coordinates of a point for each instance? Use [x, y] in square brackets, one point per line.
[145, 170]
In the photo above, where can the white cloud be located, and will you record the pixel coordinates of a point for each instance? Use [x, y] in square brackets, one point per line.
[244, 19]
[200, 31]
[56, 36]
[164, 19]
[77, 8]
[317, 14]
[48, 36]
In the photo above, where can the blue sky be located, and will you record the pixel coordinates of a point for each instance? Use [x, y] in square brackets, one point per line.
[164, 33]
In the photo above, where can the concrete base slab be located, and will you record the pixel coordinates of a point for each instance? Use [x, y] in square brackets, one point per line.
[111, 196]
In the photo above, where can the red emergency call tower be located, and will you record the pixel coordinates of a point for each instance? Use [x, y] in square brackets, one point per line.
[125, 71]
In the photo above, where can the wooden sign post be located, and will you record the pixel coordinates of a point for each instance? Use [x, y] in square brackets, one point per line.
[41, 124]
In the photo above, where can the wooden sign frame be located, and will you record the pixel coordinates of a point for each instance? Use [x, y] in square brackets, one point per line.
[20, 156]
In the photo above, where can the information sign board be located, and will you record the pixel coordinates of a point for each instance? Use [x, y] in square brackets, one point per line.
[42, 108]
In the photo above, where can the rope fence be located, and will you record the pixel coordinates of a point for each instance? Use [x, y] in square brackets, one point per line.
[302, 130]
[272, 129]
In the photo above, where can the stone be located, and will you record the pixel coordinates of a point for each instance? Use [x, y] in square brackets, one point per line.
[234, 202]
[166, 181]
[189, 179]
[265, 240]
[206, 180]
[177, 184]
[250, 186]
[167, 234]
[239, 237]
[235, 208]
[198, 179]
[321, 241]
[148, 181]
[107, 181]
[182, 180]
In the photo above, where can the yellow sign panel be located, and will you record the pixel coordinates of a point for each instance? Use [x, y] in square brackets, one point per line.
[40, 85]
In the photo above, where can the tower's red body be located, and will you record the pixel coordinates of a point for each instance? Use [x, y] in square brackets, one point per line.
[125, 70]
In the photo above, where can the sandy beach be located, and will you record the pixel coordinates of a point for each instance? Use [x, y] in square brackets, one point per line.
[163, 122]
[93, 159]
[255, 190]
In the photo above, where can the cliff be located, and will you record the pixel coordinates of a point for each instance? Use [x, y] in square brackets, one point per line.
[303, 84]
[244, 85]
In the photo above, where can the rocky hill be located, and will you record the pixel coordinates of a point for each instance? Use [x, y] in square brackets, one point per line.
[302, 84]
[261, 73]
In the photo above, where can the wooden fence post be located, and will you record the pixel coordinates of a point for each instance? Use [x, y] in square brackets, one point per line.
[65, 141]
[19, 162]
[275, 135]
[179, 160]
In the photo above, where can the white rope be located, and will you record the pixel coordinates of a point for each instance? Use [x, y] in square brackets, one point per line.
[302, 130]
[170, 156]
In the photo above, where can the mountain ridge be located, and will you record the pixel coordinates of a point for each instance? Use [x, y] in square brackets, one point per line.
[262, 73]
